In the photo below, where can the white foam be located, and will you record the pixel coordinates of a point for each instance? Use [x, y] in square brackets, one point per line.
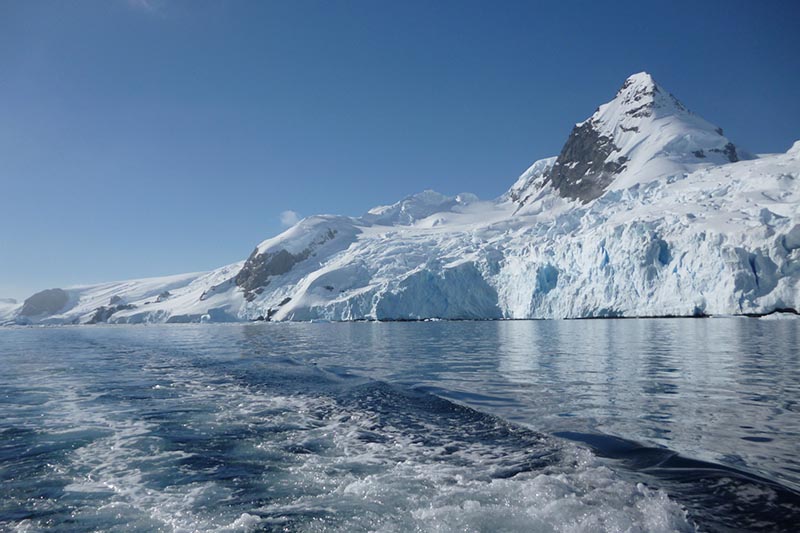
[340, 468]
[375, 478]
[362, 474]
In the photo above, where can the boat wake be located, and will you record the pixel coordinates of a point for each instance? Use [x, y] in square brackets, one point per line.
[276, 445]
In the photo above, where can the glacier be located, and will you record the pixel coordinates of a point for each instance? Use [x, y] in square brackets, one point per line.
[649, 210]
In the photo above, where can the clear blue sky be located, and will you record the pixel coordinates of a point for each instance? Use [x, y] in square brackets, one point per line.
[150, 137]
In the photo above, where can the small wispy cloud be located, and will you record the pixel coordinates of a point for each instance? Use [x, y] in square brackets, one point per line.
[290, 218]
[143, 5]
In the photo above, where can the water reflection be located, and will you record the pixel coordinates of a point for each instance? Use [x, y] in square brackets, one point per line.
[723, 390]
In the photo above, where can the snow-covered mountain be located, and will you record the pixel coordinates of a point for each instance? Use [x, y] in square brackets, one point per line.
[648, 210]
[642, 134]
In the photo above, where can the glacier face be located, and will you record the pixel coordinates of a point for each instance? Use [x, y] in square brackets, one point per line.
[681, 222]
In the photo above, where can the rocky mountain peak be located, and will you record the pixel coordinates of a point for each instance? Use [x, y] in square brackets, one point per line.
[640, 135]
[641, 97]
[637, 91]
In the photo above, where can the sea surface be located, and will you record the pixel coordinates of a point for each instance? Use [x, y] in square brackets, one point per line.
[574, 426]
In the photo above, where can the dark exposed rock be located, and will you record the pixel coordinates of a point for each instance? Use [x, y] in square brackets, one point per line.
[103, 313]
[650, 95]
[163, 296]
[581, 170]
[642, 111]
[517, 197]
[259, 267]
[699, 153]
[47, 302]
[729, 151]
[272, 310]
[531, 181]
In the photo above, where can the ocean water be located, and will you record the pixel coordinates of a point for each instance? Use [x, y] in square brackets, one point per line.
[573, 426]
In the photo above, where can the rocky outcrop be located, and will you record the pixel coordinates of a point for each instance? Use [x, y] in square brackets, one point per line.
[531, 182]
[584, 168]
[164, 296]
[259, 267]
[103, 313]
[729, 151]
[46, 302]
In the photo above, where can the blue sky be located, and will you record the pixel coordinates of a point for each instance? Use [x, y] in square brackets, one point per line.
[147, 137]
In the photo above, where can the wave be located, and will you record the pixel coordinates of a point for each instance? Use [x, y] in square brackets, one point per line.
[720, 497]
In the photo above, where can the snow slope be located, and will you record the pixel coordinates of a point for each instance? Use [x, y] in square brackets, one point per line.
[687, 224]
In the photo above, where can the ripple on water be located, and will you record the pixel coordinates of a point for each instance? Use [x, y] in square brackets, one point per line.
[194, 449]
